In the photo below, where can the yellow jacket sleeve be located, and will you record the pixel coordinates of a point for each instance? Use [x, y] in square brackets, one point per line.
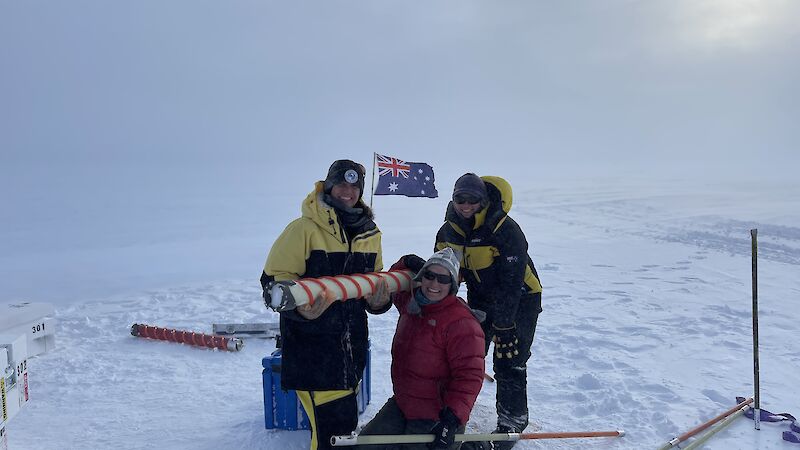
[287, 257]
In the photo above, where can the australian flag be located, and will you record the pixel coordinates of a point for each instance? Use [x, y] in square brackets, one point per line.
[397, 177]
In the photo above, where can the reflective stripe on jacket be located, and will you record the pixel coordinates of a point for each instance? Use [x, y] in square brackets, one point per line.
[493, 254]
[328, 353]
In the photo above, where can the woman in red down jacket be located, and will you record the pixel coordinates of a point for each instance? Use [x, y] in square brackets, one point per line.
[437, 357]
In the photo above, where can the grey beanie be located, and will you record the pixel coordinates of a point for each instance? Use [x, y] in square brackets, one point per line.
[447, 259]
[471, 184]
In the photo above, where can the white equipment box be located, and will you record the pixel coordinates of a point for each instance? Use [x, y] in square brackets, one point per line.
[13, 376]
[34, 320]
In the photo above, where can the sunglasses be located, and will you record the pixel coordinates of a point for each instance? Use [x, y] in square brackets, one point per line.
[460, 199]
[440, 278]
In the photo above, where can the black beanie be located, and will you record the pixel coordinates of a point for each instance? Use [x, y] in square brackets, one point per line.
[338, 171]
[471, 184]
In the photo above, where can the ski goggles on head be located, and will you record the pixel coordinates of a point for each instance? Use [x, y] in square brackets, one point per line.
[460, 199]
[439, 277]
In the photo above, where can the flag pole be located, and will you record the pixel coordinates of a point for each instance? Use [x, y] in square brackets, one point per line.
[372, 190]
[756, 384]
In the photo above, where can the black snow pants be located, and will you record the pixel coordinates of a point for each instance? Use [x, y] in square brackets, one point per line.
[390, 420]
[511, 374]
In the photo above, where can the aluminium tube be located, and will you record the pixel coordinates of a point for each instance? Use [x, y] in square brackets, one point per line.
[714, 430]
[355, 439]
[677, 440]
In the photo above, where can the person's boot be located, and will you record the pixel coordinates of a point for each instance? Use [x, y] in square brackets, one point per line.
[476, 445]
[503, 445]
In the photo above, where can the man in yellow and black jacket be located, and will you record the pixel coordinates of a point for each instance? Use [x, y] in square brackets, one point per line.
[501, 280]
[325, 352]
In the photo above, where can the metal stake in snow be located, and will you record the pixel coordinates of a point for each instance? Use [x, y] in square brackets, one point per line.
[289, 294]
[756, 387]
[677, 440]
[187, 337]
[354, 439]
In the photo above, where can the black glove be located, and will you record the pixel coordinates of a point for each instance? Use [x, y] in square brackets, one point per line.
[445, 430]
[505, 342]
[413, 262]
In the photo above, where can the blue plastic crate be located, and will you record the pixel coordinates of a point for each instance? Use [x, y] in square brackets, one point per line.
[283, 410]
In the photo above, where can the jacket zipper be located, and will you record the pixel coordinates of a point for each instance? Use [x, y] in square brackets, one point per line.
[347, 258]
[467, 237]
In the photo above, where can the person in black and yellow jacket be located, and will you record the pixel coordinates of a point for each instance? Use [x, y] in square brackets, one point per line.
[325, 351]
[501, 280]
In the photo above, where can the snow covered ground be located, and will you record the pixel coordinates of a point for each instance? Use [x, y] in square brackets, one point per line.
[151, 152]
[646, 324]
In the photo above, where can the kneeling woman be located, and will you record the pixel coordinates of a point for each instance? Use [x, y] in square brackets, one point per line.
[437, 357]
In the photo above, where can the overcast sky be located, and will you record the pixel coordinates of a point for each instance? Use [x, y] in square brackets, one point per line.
[670, 86]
